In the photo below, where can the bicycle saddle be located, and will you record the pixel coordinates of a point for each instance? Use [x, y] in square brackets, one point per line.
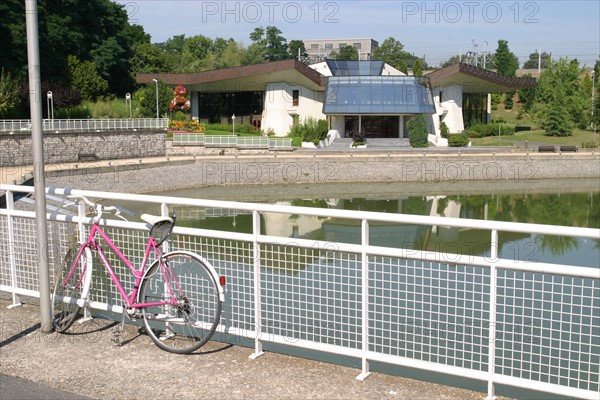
[153, 219]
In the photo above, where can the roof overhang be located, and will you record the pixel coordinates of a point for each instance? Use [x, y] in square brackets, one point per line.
[251, 77]
[477, 80]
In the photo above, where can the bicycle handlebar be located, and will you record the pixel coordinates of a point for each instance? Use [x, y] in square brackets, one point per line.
[99, 208]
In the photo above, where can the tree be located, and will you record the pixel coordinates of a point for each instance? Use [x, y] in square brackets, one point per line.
[560, 91]
[9, 95]
[417, 68]
[150, 58]
[297, 49]
[527, 96]
[275, 46]
[451, 61]
[85, 78]
[418, 132]
[506, 62]
[96, 31]
[596, 103]
[533, 61]
[391, 51]
[146, 99]
[348, 53]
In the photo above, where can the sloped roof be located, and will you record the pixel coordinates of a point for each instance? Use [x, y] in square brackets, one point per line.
[218, 75]
[477, 80]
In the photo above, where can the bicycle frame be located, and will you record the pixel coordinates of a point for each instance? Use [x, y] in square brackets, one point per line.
[130, 299]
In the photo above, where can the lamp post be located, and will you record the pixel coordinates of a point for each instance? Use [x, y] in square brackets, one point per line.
[233, 122]
[128, 100]
[156, 82]
[50, 104]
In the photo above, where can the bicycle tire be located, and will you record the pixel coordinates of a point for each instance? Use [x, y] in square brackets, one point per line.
[198, 313]
[65, 313]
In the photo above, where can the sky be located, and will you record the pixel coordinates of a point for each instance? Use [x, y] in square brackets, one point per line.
[434, 29]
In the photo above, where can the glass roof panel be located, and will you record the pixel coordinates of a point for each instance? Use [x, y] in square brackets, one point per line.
[355, 68]
[378, 95]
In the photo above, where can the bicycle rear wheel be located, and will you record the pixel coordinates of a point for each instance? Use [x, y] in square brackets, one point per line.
[187, 326]
[68, 289]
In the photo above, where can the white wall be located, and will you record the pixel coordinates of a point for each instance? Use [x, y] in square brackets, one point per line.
[278, 108]
[451, 107]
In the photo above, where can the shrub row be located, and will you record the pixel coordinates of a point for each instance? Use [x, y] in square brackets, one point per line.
[239, 128]
[310, 130]
[458, 140]
[483, 130]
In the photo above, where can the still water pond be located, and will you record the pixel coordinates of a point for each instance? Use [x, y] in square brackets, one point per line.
[551, 204]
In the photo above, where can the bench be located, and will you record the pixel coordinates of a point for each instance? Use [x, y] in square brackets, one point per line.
[568, 148]
[87, 157]
[546, 149]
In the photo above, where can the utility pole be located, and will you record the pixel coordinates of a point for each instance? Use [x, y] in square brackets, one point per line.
[540, 59]
[35, 107]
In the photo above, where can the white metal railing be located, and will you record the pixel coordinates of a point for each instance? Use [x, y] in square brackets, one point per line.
[241, 142]
[62, 125]
[525, 324]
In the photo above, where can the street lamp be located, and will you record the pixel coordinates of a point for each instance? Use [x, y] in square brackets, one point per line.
[128, 100]
[233, 121]
[156, 82]
[50, 104]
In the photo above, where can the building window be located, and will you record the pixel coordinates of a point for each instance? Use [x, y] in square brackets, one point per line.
[328, 46]
[343, 45]
[295, 97]
[314, 46]
[356, 45]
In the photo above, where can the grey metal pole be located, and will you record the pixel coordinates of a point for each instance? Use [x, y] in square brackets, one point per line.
[35, 106]
[156, 82]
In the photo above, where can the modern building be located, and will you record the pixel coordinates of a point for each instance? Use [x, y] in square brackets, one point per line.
[320, 49]
[462, 94]
[368, 97]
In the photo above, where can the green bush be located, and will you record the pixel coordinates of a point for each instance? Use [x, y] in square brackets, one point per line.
[484, 130]
[458, 140]
[310, 130]
[417, 132]
[239, 128]
[444, 130]
[75, 112]
[589, 145]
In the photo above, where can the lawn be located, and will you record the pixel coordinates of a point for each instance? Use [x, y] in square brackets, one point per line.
[576, 139]
[536, 136]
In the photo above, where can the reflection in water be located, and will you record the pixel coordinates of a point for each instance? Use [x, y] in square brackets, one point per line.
[570, 209]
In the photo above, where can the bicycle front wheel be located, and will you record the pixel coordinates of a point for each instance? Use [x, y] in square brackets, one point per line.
[68, 289]
[186, 326]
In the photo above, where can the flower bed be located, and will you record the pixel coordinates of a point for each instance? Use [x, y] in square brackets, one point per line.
[187, 126]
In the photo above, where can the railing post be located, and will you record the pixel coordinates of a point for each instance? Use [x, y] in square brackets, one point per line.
[365, 301]
[81, 207]
[258, 350]
[16, 301]
[164, 211]
[492, 333]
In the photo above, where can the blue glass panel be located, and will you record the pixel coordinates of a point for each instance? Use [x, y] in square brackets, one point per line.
[378, 95]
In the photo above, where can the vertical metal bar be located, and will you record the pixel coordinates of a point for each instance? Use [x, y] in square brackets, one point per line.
[81, 208]
[164, 211]
[365, 301]
[35, 106]
[492, 328]
[10, 205]
[258, 349]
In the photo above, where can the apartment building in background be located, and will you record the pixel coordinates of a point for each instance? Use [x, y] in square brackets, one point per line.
[320, 49]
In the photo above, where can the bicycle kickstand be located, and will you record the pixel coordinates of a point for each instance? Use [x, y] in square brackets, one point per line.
[118, 330]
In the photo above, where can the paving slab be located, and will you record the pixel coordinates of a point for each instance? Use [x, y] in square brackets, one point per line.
[85, 362]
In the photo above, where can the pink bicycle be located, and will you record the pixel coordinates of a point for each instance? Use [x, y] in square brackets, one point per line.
[179, 296]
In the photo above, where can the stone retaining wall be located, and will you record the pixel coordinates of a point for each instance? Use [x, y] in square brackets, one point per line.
[64, 147]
